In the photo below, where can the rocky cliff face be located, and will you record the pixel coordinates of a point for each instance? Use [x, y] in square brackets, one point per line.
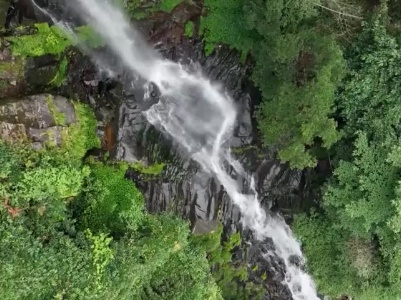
[179, 186]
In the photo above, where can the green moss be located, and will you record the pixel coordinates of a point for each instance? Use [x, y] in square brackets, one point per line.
[6, 67]
[78, 138]
[189, 29]
[154, 169]
[58, 116]
[52, 40]
[209, 47]
[243, 149]
[47, 40]
[168, 5]
[61, 75]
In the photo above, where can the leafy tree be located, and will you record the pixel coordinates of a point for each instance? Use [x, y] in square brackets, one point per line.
[225, 23]
[110, 202]
[184, 276]
[366, 187]
[297, 115]
[32, 269]
[368, 99]
[54, 224]
[362, 202]
[297, 68]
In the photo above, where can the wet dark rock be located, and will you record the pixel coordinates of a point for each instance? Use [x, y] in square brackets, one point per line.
[169, 28]
[202, 227]
[40, 71]
[25, 12]
[25, 9]
[280, 187]
[263, 264]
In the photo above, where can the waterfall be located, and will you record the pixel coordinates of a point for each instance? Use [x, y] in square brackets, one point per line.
[200, 116]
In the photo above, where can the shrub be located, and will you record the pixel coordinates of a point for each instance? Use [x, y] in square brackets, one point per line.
[111, 202]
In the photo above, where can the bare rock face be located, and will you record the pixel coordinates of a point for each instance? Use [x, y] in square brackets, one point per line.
[39, 119]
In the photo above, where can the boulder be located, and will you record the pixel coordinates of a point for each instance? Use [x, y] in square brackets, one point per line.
[39, 119]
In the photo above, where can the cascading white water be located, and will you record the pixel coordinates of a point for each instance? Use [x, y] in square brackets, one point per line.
[200, 116]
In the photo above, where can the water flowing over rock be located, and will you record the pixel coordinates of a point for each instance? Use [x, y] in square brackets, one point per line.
[199, 117]
[183, 187]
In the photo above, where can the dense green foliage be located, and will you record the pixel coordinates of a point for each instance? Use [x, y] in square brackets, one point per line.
[111, 203]
[361, 222]
[78, 231]
[297, 70]
[323, 91]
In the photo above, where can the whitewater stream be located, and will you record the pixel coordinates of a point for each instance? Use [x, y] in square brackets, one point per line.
[200, 116]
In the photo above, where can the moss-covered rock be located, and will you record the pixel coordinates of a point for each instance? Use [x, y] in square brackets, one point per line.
[36, 58]
[49, 121]
[11, 73]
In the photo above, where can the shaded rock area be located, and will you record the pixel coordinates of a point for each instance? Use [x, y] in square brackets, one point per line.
[36, 119]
